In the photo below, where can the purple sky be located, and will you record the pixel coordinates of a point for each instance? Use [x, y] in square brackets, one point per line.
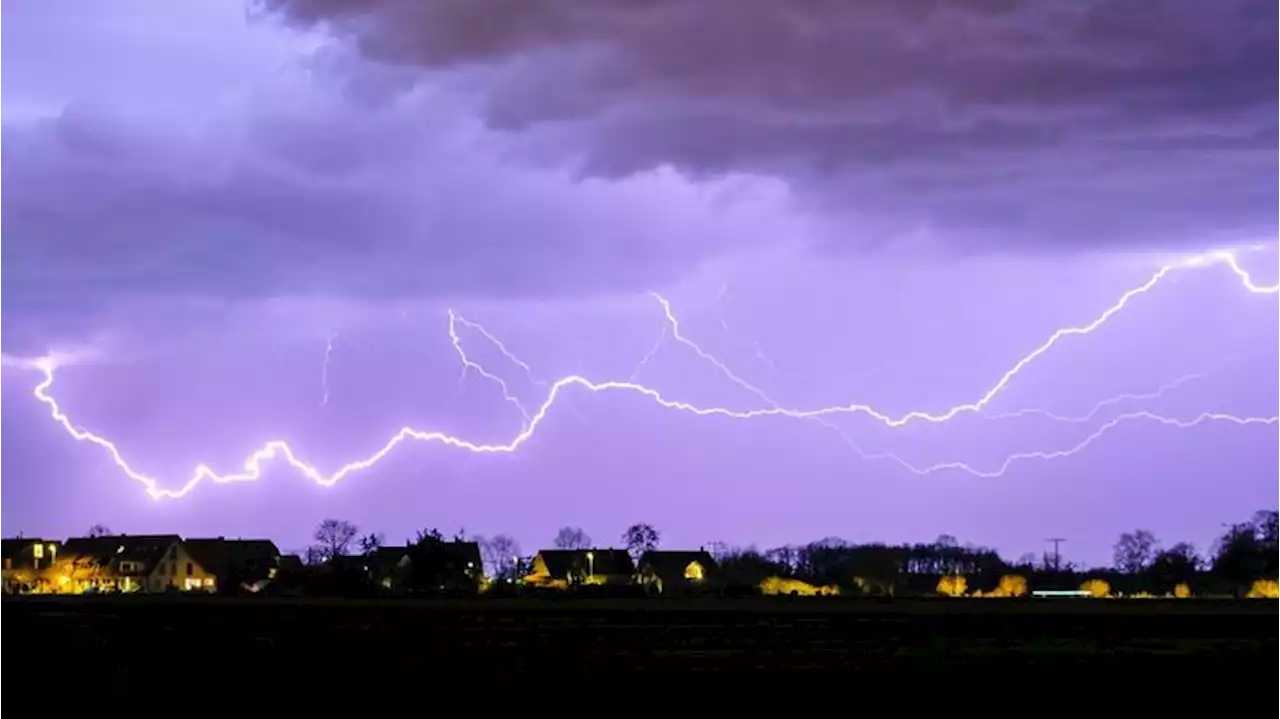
[888, 207]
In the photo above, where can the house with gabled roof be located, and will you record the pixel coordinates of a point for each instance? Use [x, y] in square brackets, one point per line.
[451, 566]
[673, 572]
[567, 567]
[131, 563]
[390, 567]
[233, 563]
[27, 561]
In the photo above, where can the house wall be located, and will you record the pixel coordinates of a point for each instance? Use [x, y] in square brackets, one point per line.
[178, 570]
[29, 567]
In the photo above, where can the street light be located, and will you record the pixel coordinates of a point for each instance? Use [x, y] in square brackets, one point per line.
[591, 564]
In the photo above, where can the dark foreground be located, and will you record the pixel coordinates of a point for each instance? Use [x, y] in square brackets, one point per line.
[1091, 646]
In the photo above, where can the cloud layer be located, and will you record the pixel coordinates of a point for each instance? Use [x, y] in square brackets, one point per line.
[1018, 123]
[330, 179]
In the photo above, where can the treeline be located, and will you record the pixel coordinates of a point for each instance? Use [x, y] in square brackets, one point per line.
[1245, 553]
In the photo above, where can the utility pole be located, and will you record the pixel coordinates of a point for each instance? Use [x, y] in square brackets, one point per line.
[1057, 556]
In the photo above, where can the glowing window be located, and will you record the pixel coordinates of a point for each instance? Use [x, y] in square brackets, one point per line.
[693, 572]
[37, 550]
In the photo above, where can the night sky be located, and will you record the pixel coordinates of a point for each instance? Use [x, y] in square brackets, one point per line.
[229, 225]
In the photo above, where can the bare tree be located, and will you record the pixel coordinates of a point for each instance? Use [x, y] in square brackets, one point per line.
[370, 542]
[333, 538]
[1135, 551]
[313, 555]
[500, 554]
[640, 538]
[99, 530]
[429, 535]
[572, 538]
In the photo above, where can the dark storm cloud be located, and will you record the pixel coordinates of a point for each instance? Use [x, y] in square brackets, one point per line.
[1013, 121]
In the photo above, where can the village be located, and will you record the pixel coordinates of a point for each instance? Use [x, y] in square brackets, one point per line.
[344, 563]
[169, 563]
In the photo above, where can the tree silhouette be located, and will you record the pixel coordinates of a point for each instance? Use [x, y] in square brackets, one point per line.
[1135, 551]
[369, 543]
[572, 538]
[429, 534]
[500, 554]
[99, 530]
[640, 538]
[333, 538]
[1176, 565]
[1240, 555]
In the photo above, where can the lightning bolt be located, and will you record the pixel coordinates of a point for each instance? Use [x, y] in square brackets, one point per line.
[508, 354]
[673, 323]
[648, 356]
[1097, 434]
[765, 359]
[469, 365]
[324, 369]
[252, 468]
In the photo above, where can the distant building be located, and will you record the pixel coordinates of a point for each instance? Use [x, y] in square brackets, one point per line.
[26, 563]
[130, 563]
[436, 565]
[566, 567]
[672, 572]
[390, 567]
[234, 563]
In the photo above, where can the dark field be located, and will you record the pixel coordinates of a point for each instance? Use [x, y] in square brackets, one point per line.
[1091, 645]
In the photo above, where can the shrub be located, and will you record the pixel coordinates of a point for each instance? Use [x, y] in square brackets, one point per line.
[1096, 588]
[1264, 589]
[952, 585]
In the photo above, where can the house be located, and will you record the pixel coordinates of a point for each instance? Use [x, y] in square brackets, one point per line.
[671, 572]
[390, 567]
[434, 565]
[26, 563]
[130, 563]
[234, 563]
[564, 567]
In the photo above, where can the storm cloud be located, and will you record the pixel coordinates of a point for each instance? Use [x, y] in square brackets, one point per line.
[1010, 124]
[311, 188]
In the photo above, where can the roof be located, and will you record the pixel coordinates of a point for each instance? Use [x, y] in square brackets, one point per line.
[386, 559]
[465, 551]
[146, 549]
[672, 563]
[561, 562]
[11, 548]
[16, 545]
[218, 554]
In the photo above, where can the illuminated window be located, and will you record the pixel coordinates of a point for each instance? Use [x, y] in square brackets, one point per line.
[693, 572]
[37, 550]
[208, 581]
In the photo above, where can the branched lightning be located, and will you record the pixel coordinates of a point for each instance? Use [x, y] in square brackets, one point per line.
[468, 364]
[253, 465]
